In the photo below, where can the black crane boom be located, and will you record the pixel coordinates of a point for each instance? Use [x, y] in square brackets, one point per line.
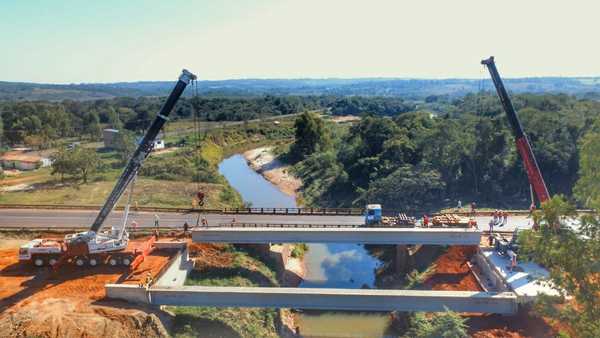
[143, 150]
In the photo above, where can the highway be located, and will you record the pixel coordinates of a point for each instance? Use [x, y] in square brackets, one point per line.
[48, 218]
[44, 218]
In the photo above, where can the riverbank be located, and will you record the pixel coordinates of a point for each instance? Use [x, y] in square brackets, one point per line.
[264, 162]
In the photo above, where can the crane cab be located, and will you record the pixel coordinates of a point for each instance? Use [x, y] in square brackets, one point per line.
[373, 214]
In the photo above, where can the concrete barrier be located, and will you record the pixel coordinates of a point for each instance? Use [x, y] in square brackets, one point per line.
[336, 299]
[129, 292]
[426, 236]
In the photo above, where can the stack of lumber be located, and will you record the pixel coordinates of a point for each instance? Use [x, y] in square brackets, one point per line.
[450, 220]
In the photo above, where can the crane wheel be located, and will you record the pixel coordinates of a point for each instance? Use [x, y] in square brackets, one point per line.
[38, 262]
[113, 261]
[93, 261]
[80, 261]
[126, 261]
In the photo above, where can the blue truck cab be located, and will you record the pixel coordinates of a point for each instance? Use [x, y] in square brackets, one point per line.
[373, 214]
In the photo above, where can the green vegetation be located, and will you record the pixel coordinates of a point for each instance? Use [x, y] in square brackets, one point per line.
[587, 189]
[299, 250]
[311, 136]
[244, 270]
[79, 162]
[572, 258]
[439, 325]
[43, 125]
[572, 255]
[428, 159]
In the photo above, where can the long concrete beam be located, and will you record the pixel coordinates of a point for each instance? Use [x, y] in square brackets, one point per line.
[425, 236]
[336, 299]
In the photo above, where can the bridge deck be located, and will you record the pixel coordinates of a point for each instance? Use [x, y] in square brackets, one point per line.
[336, 299]
[255, 235]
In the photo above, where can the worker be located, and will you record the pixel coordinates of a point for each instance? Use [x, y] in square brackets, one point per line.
[472, 223]
[186, 227]
[504, 218]
[473, 207]
[459, 206]
[491, 226]
[513, 259]
[426, 221]
[134, 226]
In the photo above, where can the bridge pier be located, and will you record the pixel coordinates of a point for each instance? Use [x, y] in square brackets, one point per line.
[402, 260]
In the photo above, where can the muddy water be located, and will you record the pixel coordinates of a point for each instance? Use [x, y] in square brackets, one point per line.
[327, 265]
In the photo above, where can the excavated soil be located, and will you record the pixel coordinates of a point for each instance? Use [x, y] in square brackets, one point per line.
[70, 302]
[519, 326]
[210, 255]
[452, 272]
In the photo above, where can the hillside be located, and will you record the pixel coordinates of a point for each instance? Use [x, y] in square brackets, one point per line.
[407, 88]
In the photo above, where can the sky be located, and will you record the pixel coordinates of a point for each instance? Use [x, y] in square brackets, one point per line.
[70, 41]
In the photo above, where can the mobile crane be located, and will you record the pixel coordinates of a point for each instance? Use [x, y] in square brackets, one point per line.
[93, 247]
[536, 180]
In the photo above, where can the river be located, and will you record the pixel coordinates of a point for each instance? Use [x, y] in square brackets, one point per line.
[327, 265]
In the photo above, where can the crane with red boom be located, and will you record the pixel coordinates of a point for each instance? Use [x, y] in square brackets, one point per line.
[523, 145]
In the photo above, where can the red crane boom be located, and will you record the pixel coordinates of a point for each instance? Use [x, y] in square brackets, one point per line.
[523, 146]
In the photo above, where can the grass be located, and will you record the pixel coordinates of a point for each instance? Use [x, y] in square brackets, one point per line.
[245, 270]
[147, 192]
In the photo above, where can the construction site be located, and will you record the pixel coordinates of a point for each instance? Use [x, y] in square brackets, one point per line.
[119, 279]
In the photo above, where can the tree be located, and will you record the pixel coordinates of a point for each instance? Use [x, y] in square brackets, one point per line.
[125, 144]
[62, 164]
[80, 163]
[587, 189]
[86, 162]
[408, 188]
[444, 324]
[311, 136]
[572, 257]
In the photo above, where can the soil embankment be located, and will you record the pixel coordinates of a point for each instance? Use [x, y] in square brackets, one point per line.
[71, 302]
[452, 272]
[265, 163]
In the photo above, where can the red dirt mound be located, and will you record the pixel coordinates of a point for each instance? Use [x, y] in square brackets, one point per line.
[452, 272]
[69, 303]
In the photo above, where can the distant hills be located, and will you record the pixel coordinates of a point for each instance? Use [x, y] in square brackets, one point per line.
[407, 88]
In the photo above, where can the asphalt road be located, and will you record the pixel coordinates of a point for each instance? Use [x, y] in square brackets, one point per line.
[45, 218]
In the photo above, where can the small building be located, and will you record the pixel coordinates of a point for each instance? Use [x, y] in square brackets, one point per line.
[156, 145]
[159, 144]
[110, 137]
[22, 161]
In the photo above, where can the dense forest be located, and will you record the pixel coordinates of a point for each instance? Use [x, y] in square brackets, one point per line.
[406, 154]
[39, 123]
[423, 159]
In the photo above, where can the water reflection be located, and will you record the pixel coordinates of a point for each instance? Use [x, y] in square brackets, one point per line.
[327, 265]
[339, 266]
